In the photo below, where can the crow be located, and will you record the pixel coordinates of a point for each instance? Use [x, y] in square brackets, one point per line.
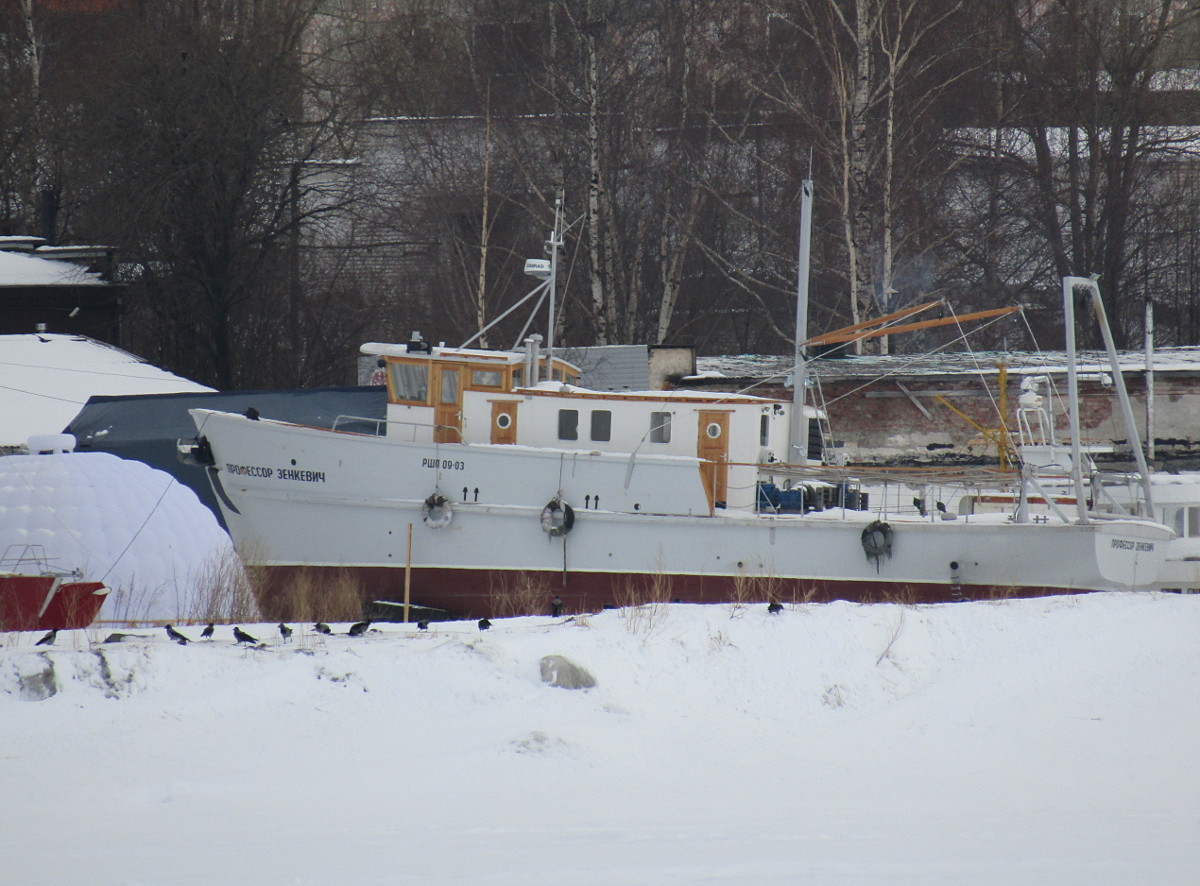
[359, 628]
[422, 626]
[242, 637]
[775, 608]
[49, 639]
[919, 504]
[208, 632]
[322, 628]
[285, 632]
[941, 506]
[484, 624]
[176, 636]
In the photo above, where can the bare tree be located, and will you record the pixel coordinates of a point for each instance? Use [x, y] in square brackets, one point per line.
[1085, 142]
[219, 137]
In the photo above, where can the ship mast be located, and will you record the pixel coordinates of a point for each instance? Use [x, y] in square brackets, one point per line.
[799, 429]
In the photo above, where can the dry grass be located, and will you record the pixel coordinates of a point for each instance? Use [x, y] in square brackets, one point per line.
[527, 594]
[313, 594]
[643, 600]
[1007, 592]
[901, 595]
[224, 591]
[894, 632]
[754, 589]
[131, 604]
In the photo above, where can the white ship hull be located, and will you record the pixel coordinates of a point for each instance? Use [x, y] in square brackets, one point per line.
[305, 500]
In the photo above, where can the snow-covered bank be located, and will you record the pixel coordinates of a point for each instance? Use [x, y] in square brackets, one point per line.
[1032, 741]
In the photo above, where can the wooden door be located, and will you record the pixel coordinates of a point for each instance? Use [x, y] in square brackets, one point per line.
[504, 421]
[712, 447]
[447, 404]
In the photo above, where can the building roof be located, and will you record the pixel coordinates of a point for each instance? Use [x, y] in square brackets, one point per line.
[45, 379]
[23, 269]
[763, 366]
[611, 367]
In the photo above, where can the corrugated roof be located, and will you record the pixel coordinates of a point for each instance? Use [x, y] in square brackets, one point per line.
[761, 366]
[611, 367]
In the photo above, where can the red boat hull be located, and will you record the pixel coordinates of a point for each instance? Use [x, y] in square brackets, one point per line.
[468, 593]
[43, 602]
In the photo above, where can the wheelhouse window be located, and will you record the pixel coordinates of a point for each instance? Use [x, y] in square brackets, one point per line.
[486, 378]
[764, 430]
[568, 424]
[410, 381]
[660, 427]
[601, 425]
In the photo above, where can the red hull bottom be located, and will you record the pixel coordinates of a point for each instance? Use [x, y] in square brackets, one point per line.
[37, 603]
[470, 593]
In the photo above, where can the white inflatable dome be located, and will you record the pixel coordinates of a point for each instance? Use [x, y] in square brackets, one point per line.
[135, 528]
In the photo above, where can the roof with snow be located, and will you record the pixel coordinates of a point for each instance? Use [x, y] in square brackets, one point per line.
[45, 379]
[19, 269]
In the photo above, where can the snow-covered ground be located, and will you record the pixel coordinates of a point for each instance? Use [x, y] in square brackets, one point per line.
[1050, 741]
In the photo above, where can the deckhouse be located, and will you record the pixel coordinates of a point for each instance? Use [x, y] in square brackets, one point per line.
[468, 396]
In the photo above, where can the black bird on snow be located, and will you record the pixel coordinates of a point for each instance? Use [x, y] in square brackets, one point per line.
[775, 608]
[241, 636]
[49, 639]
[359, 628]
[484, 624]
[941, 506]
[208, 632]
[322, 628]
[919, 504]
[176, 636]
[285, 632]
[422, 626]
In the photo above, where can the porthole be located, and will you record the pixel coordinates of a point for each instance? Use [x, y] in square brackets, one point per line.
[713, 430]
[503, 421]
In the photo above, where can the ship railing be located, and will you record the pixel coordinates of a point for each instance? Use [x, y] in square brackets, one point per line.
[407, 431]
[31, 559]
[936, 492]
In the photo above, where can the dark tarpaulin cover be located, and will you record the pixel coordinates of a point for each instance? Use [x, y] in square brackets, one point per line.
[146, 427]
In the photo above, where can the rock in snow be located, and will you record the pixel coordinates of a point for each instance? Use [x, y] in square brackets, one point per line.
[560, 671]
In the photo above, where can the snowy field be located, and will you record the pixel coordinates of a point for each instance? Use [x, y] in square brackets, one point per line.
[1052, 741]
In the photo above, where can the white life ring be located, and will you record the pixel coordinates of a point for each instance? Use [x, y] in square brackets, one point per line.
[436, 512]
[557, 518]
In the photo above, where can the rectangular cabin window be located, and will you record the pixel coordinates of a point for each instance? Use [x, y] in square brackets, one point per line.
[1193, 523]
[449, 385]
[660, 427]
[518, 376]
[410, 381]
[486, 378]
[764, 430]
[568, 424]
[601, 425]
